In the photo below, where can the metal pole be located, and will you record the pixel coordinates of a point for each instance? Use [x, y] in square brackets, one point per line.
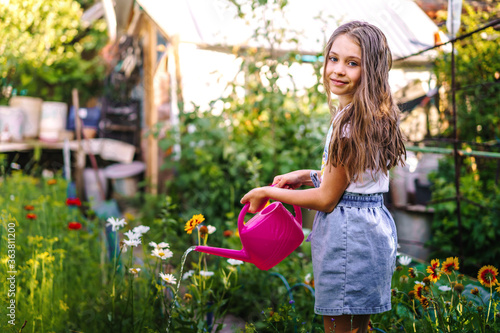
[455, 151]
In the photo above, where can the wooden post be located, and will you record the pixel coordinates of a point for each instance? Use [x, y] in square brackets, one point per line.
[178, 75]
[80, 153]
[151, 112]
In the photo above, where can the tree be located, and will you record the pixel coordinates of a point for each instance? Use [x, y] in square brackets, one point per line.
[45, 50]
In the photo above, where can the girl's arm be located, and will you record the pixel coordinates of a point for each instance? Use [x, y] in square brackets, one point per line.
[323, 198]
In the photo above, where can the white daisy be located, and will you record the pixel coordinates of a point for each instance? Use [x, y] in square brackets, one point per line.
[404, 260]
[115, 224]
[168, 278]
[420, 282]
[234, 262]
[188, 274]
[206, 273]
[132, 235]
[162, 253]
[142, 229]
[134, 271]
[162, 245]
[308, 278]
[132, 242]
[211, 229]
[444, 288]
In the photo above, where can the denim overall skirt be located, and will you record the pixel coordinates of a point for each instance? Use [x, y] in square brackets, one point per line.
[354, 256]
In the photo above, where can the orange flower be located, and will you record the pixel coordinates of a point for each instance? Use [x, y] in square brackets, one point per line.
[488, 276]
[203, 231]
[427, 280]
[227, 233]
[193, 222]
[450, 265]
[425, 302]
[31, 216]
[474, 291]
[29, 207]
[434, 271]
[51, 181]
[419, 290]
[411, 272]
[459, 288]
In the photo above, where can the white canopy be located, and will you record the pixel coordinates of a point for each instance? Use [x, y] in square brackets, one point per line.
[215, 23]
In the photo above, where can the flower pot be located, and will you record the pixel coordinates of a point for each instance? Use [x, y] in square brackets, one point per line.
[11, 123]
[32, 107]
[53, 121]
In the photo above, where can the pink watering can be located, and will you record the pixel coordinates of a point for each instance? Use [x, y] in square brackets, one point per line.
[267, 238]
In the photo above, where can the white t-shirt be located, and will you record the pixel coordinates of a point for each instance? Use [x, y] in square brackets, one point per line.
[369, 183]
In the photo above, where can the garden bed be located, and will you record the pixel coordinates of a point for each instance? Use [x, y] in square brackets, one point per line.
[65, 271]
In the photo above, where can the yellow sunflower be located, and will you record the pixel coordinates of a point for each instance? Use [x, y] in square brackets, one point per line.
[193, 222]
[488, 276]
[450, 265]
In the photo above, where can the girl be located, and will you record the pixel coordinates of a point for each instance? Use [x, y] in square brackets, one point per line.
[354, 236]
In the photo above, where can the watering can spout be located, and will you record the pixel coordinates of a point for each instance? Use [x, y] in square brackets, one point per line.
[226, 253]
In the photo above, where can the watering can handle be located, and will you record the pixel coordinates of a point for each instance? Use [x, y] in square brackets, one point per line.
[298, 211]
[244, 211]
[241, 217]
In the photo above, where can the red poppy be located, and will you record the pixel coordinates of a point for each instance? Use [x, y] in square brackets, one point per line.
[74, 225]
[31, 216]
[29, 207]
[73, 202]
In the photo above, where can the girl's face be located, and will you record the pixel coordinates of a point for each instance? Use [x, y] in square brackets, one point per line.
[343, 68]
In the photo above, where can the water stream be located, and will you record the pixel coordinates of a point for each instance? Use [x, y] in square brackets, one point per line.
[183, 261]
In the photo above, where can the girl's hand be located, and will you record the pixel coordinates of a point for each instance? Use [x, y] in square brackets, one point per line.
[256, 199]
[292, 180]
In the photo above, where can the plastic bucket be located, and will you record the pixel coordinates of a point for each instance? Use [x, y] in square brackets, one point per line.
[32, 107]
[53, 121]
[11, 123]
[92, 189]
[124, 177]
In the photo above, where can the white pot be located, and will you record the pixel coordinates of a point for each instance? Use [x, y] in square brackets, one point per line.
[32, 108]
[53, 121]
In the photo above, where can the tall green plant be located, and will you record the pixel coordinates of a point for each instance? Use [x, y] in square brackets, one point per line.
[478, 121]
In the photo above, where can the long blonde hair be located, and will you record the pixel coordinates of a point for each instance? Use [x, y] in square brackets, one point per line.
[374, 141]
